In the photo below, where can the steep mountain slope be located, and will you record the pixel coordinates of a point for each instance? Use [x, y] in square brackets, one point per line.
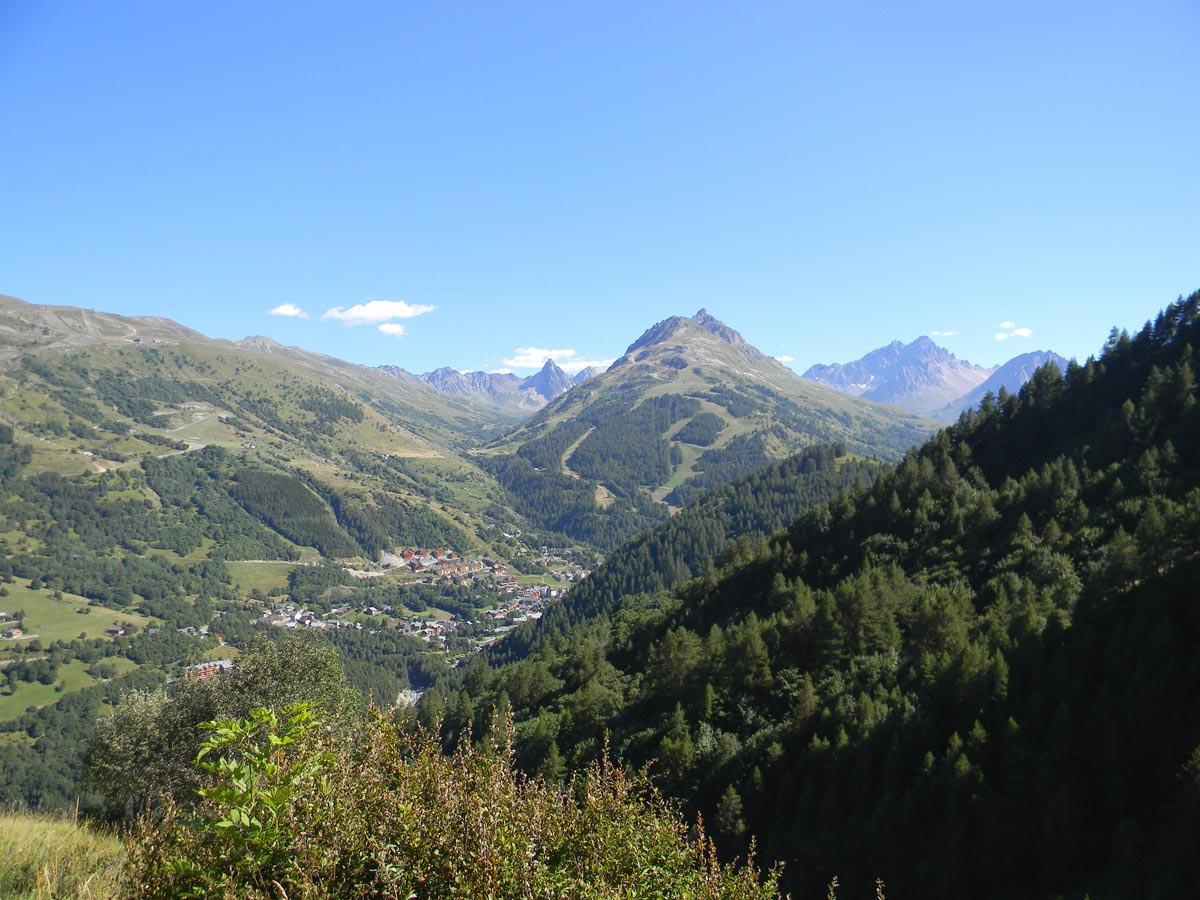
[1010, 376]
[920, 376]
[747, 509]
[975, 678]
[90, 392]
[689, 406]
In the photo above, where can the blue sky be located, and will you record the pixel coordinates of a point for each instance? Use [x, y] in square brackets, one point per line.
[453, 183]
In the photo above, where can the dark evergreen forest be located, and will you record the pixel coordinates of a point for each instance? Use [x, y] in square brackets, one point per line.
[975, 677]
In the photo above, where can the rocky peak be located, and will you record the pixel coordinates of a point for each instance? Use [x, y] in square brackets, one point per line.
[715, 326]
[920, 376]
[549, 382]
[676, 326]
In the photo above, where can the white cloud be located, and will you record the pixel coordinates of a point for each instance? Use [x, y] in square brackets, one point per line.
[288, 309]
[1008, 324]
[785, 359]
[395, 329]
[942, 333]
[535, 357]
[575, 366]
[377, 311]
[1014, 332]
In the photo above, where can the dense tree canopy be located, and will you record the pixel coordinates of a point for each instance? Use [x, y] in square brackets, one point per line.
[976, 676]
[143, 752]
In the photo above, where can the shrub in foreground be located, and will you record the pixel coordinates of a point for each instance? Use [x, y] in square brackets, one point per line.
[286, 812]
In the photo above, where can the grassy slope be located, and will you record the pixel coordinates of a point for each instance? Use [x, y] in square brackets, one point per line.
[47, 857]
[49, 619]
[712, 362]
[254, 393]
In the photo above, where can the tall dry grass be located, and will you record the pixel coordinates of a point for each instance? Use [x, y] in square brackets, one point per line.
[44, 857]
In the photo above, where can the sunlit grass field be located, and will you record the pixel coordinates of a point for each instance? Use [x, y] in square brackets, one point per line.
[51, 619]
[72, 676]
[43, 857]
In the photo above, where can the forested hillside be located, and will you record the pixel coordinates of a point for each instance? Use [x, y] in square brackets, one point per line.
[166, 497]
[745, 510]
[689, 407]
[975, 678]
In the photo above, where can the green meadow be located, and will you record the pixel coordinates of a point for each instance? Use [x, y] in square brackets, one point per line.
[54, 616]
[45, 857]
[72, 676]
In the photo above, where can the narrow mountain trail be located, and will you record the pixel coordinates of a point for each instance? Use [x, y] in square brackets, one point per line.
[604, 497]
[570, 451]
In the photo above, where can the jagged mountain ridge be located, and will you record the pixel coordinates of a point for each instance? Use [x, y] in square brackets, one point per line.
[509, 395]
[924, 377]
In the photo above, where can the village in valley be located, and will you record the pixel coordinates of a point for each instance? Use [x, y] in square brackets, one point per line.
[502, 600]
[456, 605]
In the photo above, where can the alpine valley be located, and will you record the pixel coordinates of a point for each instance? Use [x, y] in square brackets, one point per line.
[854, 639]
[167, 496]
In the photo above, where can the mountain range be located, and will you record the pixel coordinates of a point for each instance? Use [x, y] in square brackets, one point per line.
[509, 395]
[919, 672]
[689, 406]
[973, 676]
[926, 378]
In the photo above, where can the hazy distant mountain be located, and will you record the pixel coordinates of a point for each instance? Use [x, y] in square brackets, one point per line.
[689, 406]
[920, 376]
[549, 383]
[588, 374]
[860, 376]
[1011, 376]
[510, 395]
[473, 385]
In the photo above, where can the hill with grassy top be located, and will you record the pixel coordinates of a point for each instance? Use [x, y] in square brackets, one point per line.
[690, 406]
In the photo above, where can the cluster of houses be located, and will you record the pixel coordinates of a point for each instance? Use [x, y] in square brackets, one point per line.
[192, 631]
[206, 670]
[529, 605]
[288, 615]
[439, 565]
[571, 572]
[443, 566]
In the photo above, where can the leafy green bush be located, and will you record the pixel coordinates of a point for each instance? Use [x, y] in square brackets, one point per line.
[286, 810]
